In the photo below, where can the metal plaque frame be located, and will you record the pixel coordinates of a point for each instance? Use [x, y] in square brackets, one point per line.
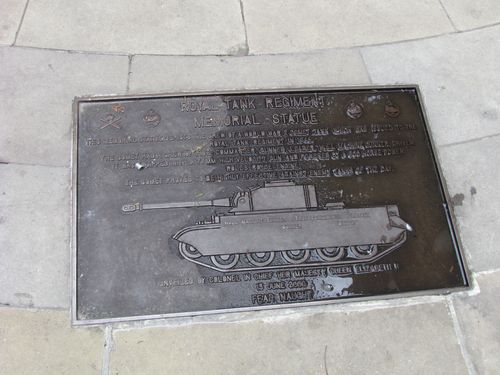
[105, 98]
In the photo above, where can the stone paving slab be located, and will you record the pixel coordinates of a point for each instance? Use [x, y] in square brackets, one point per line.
[297, 26]
[468, 14]
[34, 236]
[406, 340]
[473, 179]
[42, 343]
[184, 27]
[177, 74]
[37, 89]
[458, 75]
[11, 12]
[479, 318]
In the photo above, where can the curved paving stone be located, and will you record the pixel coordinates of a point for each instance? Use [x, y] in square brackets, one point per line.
[177, 74]
[458, 75]
[42, 343]
[472, 175]
[296, 26]
[37, 89]
[406, 340]
[468, 14]
[34, 236]
[184, 27]
[479, 318]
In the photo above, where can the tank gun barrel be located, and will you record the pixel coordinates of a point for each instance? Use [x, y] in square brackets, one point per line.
[131, 207]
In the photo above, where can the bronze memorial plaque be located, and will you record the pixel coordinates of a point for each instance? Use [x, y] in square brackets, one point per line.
[199, 203]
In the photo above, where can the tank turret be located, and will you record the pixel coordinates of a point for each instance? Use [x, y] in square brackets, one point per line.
[279, 225]
[278, 195]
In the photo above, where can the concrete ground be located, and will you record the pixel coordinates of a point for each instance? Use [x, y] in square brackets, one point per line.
[53, 50]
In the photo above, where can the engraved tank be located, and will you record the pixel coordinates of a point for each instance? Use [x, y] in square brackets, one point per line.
[281, 225]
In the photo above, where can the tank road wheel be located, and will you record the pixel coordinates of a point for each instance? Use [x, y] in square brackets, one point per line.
[296, 256]
[189, 251]
[364, 251]
[261, 259]
[331, 254]
[225, 261]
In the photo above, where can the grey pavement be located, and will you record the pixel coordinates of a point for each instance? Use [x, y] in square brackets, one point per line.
[467, 15]
[35, 215]
[52, 51]
[41, 342]
[152, 26]
[320, 343]
[297, 26]
[12, 12]
[206, 73]
[472, 173]
[479, 318]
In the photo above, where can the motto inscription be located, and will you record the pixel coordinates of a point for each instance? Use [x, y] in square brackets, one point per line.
[202, 203]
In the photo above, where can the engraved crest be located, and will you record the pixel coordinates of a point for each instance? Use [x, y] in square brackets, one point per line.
[118, 108]
[152, 118]
[354, 110]
[110, 120]
[391, 109]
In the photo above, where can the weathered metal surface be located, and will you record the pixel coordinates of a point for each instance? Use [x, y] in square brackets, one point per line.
[199, 203]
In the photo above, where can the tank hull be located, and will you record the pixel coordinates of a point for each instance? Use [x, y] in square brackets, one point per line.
[300, 236]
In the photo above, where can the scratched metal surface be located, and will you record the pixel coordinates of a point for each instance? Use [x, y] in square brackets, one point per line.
[193, 204]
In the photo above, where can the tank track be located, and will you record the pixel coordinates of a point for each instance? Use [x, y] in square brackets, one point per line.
[291, 258]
